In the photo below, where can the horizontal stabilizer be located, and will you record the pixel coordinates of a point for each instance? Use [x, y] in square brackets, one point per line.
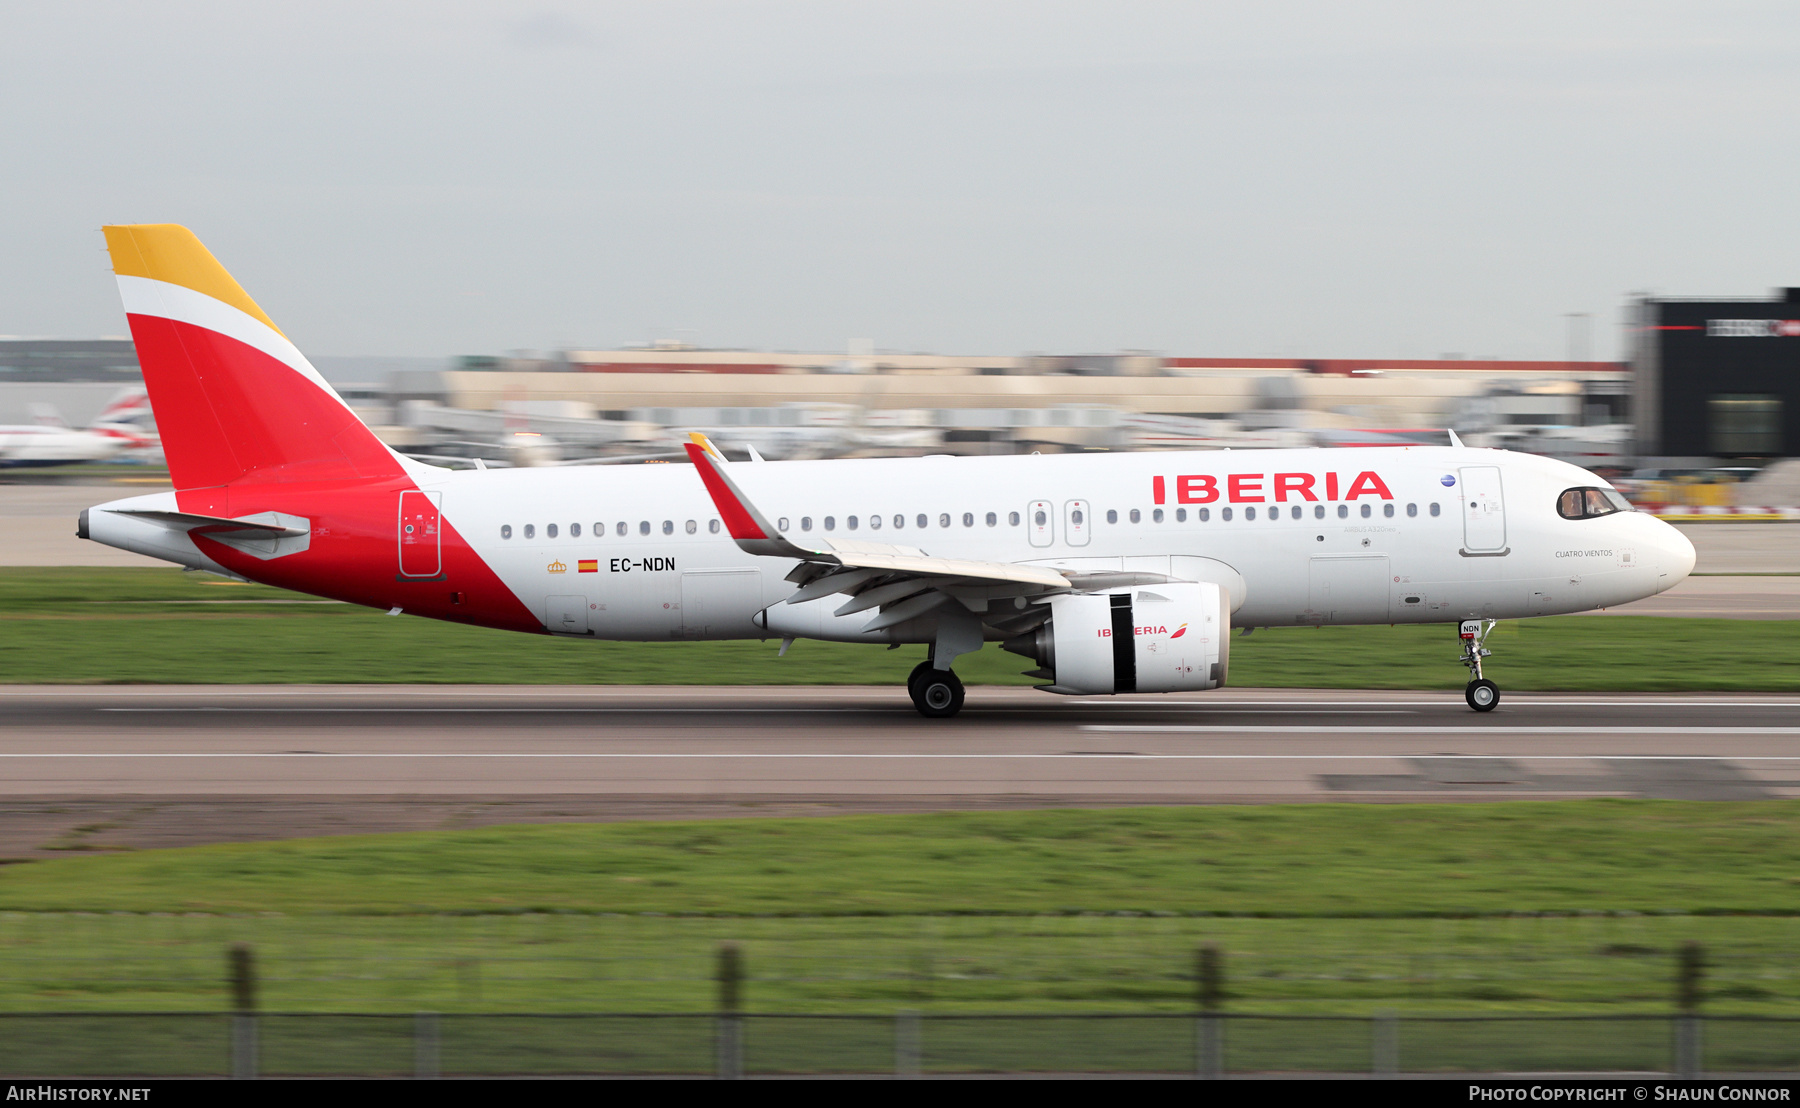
[187, 521]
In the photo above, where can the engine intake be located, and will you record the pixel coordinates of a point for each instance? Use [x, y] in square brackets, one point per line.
[1173, 637]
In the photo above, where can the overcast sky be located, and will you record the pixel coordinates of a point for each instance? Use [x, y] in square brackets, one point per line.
[1291, 179]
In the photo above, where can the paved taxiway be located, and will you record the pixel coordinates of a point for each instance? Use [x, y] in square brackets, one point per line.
[259, 762]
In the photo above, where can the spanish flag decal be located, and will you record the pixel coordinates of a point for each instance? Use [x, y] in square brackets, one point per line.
[588, 565]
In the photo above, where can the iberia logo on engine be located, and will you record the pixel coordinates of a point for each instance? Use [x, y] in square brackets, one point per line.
[1257, 488]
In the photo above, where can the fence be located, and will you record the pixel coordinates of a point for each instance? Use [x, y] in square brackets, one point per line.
[40, 1045]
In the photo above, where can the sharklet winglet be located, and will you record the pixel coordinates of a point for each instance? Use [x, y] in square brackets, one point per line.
[748, 527]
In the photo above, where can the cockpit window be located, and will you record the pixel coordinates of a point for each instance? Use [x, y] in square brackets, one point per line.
[1588, 503]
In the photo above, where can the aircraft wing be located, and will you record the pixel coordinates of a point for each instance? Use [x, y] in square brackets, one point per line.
[903, 581]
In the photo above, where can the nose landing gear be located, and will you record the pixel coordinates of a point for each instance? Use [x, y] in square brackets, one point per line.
[1481, 693]
[936, 693]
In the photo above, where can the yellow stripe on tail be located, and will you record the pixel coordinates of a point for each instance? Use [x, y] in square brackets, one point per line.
[170, 252]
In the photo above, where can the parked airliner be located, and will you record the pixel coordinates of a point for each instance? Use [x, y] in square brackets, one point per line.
[1113, 573]
[52, 442]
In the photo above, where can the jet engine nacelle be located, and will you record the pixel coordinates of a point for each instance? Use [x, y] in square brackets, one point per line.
[1173, 637]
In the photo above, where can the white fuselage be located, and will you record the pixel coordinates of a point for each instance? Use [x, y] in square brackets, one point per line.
[1418, 557]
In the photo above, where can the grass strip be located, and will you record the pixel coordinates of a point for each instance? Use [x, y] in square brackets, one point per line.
[63, 626]
[1323, 860]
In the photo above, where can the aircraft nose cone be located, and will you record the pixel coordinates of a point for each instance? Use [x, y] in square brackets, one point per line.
[1674, 558]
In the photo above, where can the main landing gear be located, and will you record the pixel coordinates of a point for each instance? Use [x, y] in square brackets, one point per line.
[1481, 694]
[936, 693]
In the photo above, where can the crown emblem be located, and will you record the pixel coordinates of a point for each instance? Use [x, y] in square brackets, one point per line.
[557, 567]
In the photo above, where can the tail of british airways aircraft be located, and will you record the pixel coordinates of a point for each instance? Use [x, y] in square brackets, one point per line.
[235, 400]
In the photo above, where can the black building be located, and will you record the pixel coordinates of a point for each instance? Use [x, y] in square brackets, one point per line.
[1717, 378]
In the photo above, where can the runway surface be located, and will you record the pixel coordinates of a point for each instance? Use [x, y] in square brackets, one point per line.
[87, 768]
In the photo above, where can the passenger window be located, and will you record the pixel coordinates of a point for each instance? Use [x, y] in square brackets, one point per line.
[1181, 515]
[1412, 510]
[692, 527]
[506, 530]
[1387, 510]
[668, 527]
[622, 529]
[899, 522]
[1012, 518]
[643, 527]
[550, 531]
[968, 519]
[805, 523]
[943, 519]
[850, 522]
[1434, 509]
[830, 523]
[1318, 511]
[1039, 517]
[1343, 511]
[712, 526]
[1367, 511]
[574, 530]
[1295, 511]
[1225, 514]
[874, 523]
[1135, 517]
[1203, 514]
[781, 524]
[531, 530]
[1249, 513]
[1156, 516]
[1112, 515]
[992, 519]
[924, 521]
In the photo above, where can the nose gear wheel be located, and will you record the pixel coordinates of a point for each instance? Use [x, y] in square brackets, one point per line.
[1481, 693]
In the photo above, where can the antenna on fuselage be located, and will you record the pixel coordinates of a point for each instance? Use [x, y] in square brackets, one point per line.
[1454, 441]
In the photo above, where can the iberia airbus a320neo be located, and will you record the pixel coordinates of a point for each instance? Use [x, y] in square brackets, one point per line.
[1113, 572]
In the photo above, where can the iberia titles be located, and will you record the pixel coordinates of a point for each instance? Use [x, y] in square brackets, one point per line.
[1258, 488]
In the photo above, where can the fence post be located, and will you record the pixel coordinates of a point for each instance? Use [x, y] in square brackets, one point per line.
[1690, 970]
[1384, 1044]
[241, 968]
[908, 1059]
[426, 1057]
[730, 1019]
[1209, 1025]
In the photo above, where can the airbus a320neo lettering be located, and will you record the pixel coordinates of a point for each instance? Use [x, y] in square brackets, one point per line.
[1113, 573]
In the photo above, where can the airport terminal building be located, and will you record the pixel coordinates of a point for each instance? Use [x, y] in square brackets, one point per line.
[1717, 378]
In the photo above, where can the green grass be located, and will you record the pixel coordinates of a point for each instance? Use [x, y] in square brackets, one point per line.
[1326, 908]
[67, 625]
[1342, 860]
